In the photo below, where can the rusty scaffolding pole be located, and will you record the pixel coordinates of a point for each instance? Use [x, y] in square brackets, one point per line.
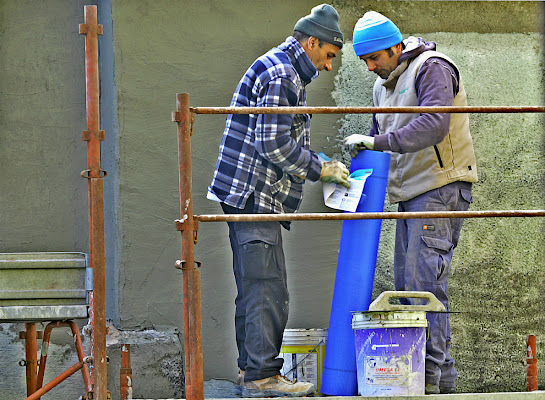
[94, 174]
[188, 223]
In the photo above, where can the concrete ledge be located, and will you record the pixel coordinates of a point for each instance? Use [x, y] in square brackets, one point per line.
[13, 314]
[537, 395]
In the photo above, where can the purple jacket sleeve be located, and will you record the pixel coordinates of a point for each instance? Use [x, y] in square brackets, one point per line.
[436, 85]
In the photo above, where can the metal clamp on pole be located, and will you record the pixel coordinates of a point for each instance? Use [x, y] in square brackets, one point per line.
[88, 135]
[181, 264]
[86, 173]
[180, 227]
[177, 117]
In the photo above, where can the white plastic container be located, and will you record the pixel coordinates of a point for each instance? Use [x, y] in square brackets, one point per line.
[303, 351]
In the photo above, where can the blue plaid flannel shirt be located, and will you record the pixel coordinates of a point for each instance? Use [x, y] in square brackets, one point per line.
[263, 153]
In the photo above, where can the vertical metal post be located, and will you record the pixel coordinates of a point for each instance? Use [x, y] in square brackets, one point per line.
[31, 352]
[99, 288]
[531, 363]
[191, 276]
[125, 373]
[93, 135]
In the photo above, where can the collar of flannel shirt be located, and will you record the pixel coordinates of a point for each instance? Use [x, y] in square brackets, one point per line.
[304, 67]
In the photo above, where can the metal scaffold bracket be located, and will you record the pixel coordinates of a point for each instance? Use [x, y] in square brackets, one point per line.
[86, 173]
[88, 135]
[182, 264]
[84, 29]
[180, 226]
[177, 117]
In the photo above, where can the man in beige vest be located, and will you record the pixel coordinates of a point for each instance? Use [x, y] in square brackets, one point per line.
[432, 167]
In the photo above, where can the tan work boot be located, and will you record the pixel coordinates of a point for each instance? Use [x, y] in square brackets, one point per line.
[240, 383]
[277, 386]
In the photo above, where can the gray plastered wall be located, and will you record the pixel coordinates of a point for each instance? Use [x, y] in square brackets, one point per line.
[152, 50]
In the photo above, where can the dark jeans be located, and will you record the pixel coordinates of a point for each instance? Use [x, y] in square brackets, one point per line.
[423, 253]
[262, 302]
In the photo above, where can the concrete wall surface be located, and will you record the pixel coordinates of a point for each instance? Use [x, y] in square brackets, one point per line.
[152, 50]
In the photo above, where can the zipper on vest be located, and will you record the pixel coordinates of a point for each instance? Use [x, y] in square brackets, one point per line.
[438, 156]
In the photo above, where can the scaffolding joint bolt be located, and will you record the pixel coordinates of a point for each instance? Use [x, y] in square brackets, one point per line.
[181, 264]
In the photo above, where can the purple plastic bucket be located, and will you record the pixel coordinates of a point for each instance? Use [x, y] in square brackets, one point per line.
[390, 352]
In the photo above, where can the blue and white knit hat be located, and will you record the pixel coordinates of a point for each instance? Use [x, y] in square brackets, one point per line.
[374, 32]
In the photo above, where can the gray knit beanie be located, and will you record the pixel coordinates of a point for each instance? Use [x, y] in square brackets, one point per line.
[322, 23]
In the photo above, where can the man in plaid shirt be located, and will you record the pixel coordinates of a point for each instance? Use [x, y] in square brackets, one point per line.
[263, 162]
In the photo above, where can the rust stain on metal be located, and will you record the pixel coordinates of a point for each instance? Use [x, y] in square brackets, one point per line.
[31, 352]
[191, 276]
[367, 110]
[370, 215]
[93, 136]
[125, 373]
[531, 363]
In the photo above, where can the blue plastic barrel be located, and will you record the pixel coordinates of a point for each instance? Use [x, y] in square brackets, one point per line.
[354, 278]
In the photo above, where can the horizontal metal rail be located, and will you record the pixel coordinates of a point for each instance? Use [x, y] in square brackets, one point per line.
[188, 225]
[367, 110]
[366, 215]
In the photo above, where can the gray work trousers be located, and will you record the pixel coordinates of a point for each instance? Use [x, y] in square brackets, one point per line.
[423, 253]
[262, 302]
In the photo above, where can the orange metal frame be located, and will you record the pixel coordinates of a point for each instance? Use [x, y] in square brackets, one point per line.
[531, 363]
[125, 373]
[188, 223]
[93, 136]
[96, 381]
[35, 376]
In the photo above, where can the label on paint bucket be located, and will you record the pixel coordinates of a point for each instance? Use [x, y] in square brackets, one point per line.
[303, 351]
[390, 361]
[380, 370]
[301, 367]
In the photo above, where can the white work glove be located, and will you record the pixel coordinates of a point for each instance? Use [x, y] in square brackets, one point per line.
[358, 142]
[336, 172]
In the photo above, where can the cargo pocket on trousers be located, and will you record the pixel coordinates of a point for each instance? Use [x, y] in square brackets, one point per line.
[434, 265]
[466, 195]
[258, 253]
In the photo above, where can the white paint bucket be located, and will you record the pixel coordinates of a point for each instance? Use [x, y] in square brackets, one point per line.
[391, 345]
[303, 351]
